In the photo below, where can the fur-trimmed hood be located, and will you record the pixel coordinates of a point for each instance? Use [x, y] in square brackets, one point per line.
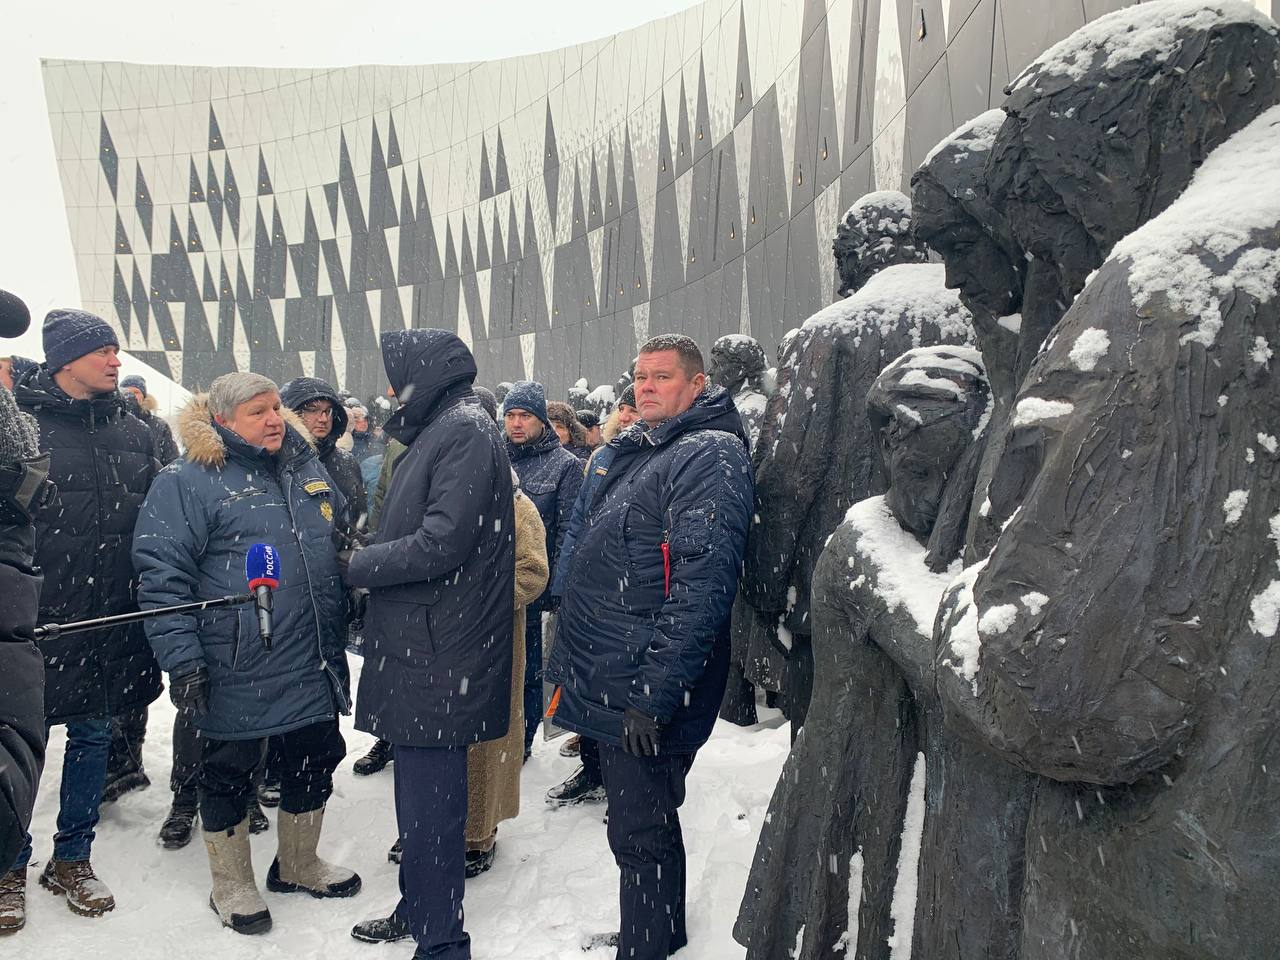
[203, 440]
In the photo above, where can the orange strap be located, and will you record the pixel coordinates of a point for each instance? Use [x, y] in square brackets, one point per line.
[555, 702]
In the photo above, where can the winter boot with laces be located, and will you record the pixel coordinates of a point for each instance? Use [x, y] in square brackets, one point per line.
[579, 788]
[379, 755]
[297, 869]
[75, 879]
[13, 901]
[235, 897]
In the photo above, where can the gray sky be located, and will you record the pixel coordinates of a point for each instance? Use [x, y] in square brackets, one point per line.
[36, 259]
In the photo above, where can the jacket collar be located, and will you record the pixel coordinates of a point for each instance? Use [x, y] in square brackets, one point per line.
[545, 443]
[211, 445]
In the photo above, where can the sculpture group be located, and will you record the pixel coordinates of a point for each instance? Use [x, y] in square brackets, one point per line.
[1019, 528]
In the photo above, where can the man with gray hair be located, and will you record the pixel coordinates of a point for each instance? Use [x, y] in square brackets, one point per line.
[250, 475]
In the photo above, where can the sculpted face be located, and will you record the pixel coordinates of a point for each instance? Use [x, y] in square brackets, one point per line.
[918, 460]
[259, 421]
[988, 281]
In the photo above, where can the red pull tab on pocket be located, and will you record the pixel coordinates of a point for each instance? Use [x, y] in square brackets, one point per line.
[666, 568]
[555, 702]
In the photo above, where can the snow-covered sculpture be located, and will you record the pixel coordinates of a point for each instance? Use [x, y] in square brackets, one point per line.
[811, 460]
[835, 866]
[1119, 640]
[578, 394]
[501, 391]
[873, 234]
[738, 364]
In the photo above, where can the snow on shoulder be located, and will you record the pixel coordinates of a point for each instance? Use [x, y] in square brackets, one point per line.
[1211, 241]
[895, 559]
[915, 292]
[973, 136]
[1136, 32]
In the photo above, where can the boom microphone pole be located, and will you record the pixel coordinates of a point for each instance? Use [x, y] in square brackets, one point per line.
[50, 631]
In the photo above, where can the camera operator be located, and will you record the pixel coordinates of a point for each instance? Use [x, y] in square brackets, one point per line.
[22, 730]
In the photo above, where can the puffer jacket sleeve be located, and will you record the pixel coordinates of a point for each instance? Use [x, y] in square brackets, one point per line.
[22, 729]
[168, 541]
[463, 473]
[706, 524]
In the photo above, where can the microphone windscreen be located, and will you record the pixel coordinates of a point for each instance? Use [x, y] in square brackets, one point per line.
[15, 318]
[262, 566]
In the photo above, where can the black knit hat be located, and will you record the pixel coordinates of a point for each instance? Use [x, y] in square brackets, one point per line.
[70, 334]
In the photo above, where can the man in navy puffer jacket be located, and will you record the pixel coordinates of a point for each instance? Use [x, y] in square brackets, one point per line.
[647, 576]
[550, 476]
[249, 475]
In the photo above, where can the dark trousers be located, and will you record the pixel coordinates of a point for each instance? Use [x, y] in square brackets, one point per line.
[128, 731]
[645, 794]
[589, 754]
[532, 675]
[187, 747]
[308, 757]
[431, 811]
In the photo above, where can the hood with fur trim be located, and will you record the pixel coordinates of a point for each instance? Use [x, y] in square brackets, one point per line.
[204, 441]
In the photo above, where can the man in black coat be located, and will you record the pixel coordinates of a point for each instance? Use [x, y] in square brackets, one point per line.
[102, 462]
[550, 476]
[642, 670]
[22, 729]
[441, 577]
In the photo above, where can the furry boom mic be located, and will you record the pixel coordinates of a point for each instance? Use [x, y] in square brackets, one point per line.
[14, 316]
[262, 568]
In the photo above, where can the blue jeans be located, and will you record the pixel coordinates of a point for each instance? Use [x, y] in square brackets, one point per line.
[84, 769]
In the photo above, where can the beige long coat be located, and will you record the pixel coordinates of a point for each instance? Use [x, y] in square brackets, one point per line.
[493, 768]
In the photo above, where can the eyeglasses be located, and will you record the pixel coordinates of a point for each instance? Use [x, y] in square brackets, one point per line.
[318, 410]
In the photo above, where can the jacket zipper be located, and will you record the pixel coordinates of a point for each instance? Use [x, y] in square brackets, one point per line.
[340, 699]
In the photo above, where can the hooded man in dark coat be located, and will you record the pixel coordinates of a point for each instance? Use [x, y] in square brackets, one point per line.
[665, 510]
[550, 476]
[102, 462]
[441, 577]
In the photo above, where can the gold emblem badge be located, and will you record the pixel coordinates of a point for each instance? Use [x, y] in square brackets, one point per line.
[326, 510]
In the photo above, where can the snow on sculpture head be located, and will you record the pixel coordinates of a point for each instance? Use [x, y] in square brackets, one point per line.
[1112, 121]
[926, 409]
[737, 359]
[873, 234]
[954, 215]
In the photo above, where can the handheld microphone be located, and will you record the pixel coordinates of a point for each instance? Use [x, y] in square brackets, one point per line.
[262, 568]
[14, 316]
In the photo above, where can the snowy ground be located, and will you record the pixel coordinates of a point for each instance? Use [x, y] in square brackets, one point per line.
[554, 878]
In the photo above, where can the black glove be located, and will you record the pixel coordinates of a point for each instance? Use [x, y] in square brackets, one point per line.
[190, 691]
[641, 733]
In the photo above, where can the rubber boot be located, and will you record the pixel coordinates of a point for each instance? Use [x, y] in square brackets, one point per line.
[297, 869]
[235, 897]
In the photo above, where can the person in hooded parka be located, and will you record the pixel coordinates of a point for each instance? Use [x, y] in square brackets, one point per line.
[438, 640]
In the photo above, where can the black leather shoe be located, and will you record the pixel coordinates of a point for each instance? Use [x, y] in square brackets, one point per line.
[579, 788]
[379, 755]
[381, 930]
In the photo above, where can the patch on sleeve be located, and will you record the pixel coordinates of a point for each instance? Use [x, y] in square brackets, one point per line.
[326, 510]
[316, 487]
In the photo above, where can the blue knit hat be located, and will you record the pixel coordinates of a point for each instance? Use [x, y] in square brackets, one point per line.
[527, 395]
[70, 334]
[134, 381]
